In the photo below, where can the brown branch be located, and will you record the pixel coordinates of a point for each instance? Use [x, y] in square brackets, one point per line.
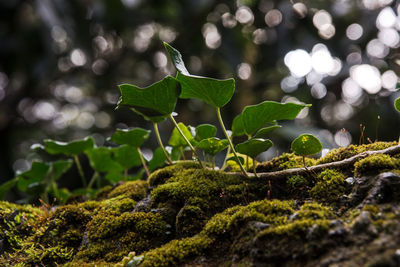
[336, 164]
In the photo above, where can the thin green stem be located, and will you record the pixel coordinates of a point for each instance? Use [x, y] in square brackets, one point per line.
[186, 140]
[230, 141]
[143, 162]
[224, 165]
[80, 170]
[94, 178]
[254, 167]
[160, 143]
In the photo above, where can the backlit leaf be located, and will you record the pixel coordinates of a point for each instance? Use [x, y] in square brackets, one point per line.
[177, 139]
[134, 137]
[72, 148]
[155, 102]
[100, 159]
[212, 145]
[126, 156]
[256, 116]
[237, 126]
[254, 146]
[212, 91]
[306, 144]
[157, 160]
[204, 131]
[397, 104]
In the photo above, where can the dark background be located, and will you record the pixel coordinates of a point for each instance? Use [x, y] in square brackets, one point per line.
[61, 62]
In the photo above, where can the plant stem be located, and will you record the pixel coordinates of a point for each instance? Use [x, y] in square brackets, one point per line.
[143, 162]
[224, 165]
[160, 143]
[182, 153]
[254, 167]
[186, 140]
[230, 141]
[80, 170]
[94, 178]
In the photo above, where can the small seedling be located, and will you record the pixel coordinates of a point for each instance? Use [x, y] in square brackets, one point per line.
[306, 145]
[253, 147]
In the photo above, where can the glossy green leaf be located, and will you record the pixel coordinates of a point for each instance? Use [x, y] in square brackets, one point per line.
[155, 102]
[241, 157]
[204, 131]
[212, 91]
[72, 148]
[157, 160]
[212, 145]
[100, 159]
[237, 126]
[126, 156]
[397, 104]
[5, 187]
[263, 132]
[306, 144]
[177, 139]
[176, 58]
[134, 137]
[254, 147]
[256, 116]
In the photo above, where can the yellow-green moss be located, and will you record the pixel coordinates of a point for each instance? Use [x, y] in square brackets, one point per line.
[162, 175]
[283, 162]
[132, 189]
[330, 186]
[295, 182]
[111, 237]
[352, 150]
[374, 164]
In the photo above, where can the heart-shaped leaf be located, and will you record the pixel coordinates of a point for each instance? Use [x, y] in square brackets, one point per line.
[397, 104]
[306, 144]
[237, 126]
[256, 116]
[72, 148]
[263, 132]
[100, 159]
[204, 131]
[212, 145]
[126, 156]
[177, 140]
[212, 91]
[254, 146]
[134, 137]
[155, 102]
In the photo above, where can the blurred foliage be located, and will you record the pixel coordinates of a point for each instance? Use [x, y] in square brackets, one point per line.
[61, 62]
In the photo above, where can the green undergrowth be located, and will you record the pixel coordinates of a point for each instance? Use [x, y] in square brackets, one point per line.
[183, 212]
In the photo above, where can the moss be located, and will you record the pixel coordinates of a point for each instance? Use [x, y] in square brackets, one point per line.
[113, 236]
[162, 175]
[295, 182]
[283, 162]
[133, 189]
[330, 186]
[352, 150]
[176, 251]
[190, 220]
[374, 164]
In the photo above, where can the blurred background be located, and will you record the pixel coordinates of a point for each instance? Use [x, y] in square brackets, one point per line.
[61, 62]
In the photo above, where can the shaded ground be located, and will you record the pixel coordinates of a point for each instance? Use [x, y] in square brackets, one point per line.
[185, 216]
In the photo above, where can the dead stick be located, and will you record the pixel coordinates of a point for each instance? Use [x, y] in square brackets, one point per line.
[336, 164]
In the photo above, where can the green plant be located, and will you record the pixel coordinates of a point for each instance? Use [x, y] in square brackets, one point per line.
[397, 104]
[156, 103]
[306, 145]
